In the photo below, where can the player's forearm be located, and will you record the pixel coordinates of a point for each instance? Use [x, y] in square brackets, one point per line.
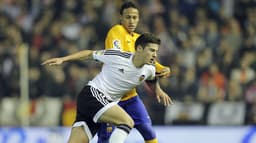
[82, 55]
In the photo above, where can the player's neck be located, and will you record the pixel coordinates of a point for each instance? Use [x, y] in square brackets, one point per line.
[137, 61]
[129, 32]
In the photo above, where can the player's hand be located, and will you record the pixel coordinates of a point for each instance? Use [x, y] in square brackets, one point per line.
[53, 62]
[163, 97]
[166, 72]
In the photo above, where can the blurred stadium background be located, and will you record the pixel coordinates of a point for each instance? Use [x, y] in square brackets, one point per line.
[211, 42]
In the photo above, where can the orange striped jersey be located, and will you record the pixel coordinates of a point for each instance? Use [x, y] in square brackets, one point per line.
[119, 38]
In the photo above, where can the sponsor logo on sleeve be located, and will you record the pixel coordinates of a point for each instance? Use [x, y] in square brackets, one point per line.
[117, 44]
[100, 52]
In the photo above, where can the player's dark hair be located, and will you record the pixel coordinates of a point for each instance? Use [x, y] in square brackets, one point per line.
[127, 5]
[145, 39]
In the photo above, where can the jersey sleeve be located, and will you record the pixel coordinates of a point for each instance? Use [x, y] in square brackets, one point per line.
[101, 57]
[113, 39]
[151, 72]
[109, 56]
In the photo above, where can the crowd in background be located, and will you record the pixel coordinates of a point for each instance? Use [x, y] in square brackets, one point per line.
[211, 43]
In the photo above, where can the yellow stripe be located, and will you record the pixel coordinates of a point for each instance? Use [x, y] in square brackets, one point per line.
[130, 94]
[152, 141]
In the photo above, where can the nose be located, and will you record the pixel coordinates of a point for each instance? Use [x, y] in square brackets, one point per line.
[131, 21]
[154, 55]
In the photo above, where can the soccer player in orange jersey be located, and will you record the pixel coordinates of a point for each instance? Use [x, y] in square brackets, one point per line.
[123, 37]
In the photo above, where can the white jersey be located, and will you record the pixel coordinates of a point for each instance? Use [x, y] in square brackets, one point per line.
[118, 74]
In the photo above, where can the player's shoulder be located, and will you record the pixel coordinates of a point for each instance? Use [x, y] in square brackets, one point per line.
[136, 35]
[117, 29]
[118, 53]
[151, 66]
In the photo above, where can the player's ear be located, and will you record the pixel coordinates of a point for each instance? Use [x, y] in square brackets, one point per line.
[139, 48]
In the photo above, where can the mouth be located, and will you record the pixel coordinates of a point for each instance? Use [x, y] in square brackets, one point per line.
[152, 61]
[131, 26]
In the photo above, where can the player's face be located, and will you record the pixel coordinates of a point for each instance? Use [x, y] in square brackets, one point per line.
[150, 53]
[130, 19]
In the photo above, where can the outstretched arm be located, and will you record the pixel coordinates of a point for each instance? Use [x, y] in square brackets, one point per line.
[82, 55]
[159, 93]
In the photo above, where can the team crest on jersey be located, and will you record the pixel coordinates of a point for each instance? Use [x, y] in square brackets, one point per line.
[100, 52]
[117, 44]
[109, 129]
[141, 77]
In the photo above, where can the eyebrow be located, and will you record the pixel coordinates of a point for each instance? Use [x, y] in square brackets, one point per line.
[153, 49]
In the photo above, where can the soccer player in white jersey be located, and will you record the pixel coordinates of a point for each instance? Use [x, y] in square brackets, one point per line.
[97, 102]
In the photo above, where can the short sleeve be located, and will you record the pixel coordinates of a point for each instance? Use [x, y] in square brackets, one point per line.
[151, 72]
[108, 56]
[99, 56]
[114, 39]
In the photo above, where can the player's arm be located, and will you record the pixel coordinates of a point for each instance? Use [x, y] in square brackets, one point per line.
[161, 96]
[153, 84]
[82, 55]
